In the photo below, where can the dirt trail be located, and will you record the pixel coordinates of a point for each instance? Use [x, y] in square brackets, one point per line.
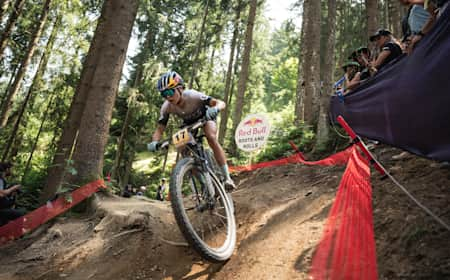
[280, 214]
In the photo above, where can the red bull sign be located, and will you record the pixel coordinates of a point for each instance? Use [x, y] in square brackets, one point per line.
[252, 132]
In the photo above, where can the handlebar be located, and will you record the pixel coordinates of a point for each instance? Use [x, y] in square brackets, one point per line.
[196, 125]
[164, 144]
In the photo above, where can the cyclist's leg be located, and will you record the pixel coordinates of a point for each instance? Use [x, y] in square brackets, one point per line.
[210, 129]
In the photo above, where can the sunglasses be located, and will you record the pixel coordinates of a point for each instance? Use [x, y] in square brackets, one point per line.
[168, 92]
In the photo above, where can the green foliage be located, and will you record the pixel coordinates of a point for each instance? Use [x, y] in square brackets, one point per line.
[32, 187]
[278, 144]
[167, 33]
[283, 85]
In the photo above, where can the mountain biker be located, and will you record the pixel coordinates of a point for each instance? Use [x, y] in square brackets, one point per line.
[190, 105]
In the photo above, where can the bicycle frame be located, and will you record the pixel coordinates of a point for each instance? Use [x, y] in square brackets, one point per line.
[197, 152]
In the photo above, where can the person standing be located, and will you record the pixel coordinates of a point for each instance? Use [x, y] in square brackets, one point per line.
[161, 192]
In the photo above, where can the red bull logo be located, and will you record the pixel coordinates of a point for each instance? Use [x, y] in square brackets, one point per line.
[253, 122]
[252, 133]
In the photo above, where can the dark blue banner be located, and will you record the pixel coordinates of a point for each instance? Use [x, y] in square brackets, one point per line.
[407, 105]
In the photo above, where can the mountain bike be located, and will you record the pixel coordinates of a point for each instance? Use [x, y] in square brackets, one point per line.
[203, 209]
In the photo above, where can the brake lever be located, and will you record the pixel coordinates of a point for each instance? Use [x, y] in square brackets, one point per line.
[164, 145]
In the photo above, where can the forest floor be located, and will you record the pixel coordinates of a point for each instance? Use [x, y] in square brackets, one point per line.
[280, 212]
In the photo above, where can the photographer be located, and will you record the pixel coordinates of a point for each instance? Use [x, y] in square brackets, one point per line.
[8, 196]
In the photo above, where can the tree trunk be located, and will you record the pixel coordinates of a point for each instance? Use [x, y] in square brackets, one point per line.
[228, 84]
[243, 77]
[36, 139]
[36, 82]
[199, 44]
[4, 4]
[7, 105]
[11, 79]
[129, 165]
[300, 89]
[94, 127]
[69, 134]
[372, 16]
[9, 26]
[123, 135]
[311, 66]
[322, 126]
[394, 12]
[237, 62]
[147, 50]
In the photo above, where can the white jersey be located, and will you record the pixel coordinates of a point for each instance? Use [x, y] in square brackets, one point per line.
[194, 107]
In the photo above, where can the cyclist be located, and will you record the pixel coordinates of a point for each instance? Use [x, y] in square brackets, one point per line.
[190, 105]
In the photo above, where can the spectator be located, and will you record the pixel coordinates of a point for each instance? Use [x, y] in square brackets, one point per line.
[352, 75]
[389, 48]
[161, 191]
[362, 56]
[414, 22]
[141, 191]
[127, 191]
[8, 194]
[435, 8]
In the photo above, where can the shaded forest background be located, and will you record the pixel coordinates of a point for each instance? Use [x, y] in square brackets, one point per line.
[75, 108]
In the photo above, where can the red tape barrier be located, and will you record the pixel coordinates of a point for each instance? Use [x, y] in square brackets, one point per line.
[360, 144]
[347, 248]
[340, 158]
[34, 219]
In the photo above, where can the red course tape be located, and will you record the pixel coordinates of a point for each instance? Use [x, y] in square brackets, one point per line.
[340, 158]
[347, 248]
[39, 216]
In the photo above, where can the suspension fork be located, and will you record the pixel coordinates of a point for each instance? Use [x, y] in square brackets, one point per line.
[202, 160]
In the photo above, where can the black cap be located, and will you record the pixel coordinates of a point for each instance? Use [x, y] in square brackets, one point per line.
[352, 56]
[350, 63]
[380, 32]
[363, 50]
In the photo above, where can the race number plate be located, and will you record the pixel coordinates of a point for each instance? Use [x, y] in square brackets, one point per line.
[181, 138]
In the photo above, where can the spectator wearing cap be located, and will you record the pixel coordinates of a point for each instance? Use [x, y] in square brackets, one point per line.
[389, 48]
[352, 75]
[363, 58]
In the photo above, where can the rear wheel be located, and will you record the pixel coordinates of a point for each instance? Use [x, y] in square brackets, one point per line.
[206, 221]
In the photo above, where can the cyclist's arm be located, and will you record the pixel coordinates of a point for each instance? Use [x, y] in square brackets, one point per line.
[157, 135]
[217, 103]
[162, 123]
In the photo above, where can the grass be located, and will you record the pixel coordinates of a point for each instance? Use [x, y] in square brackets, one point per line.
[147, 162]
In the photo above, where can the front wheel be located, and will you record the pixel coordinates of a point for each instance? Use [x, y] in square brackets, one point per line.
[206, 220]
